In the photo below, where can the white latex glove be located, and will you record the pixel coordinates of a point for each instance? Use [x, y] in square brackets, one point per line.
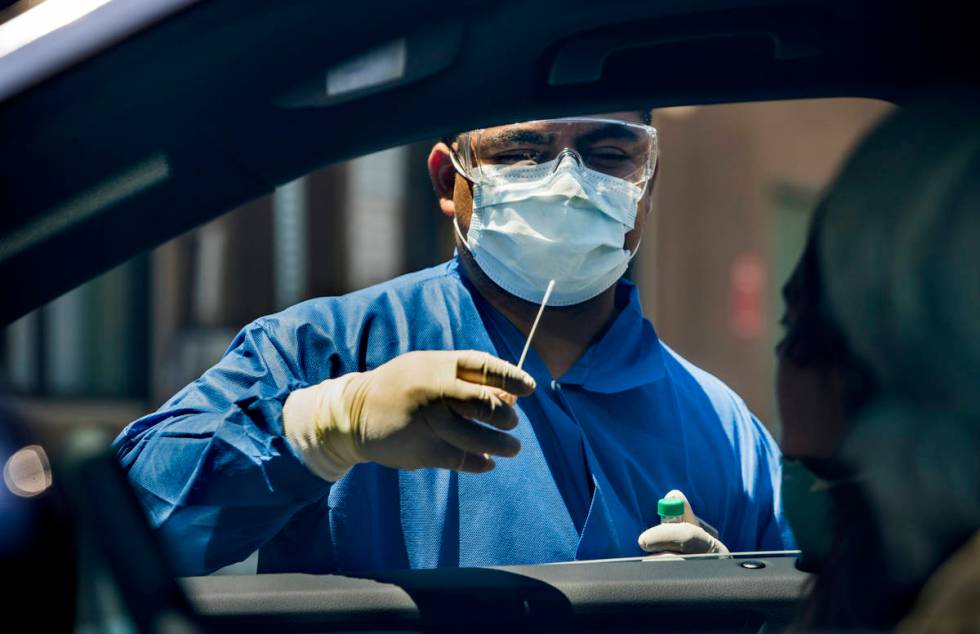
[686, 538]
[417, 410]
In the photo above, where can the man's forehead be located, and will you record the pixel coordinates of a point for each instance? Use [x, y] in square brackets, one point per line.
[633, 116]
[630, 116]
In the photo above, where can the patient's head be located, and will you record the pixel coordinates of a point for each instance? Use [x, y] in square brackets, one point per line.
[819, 383]
[890, 284]
[899, 251]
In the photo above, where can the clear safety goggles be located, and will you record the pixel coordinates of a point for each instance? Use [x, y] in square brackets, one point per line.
[501, 154]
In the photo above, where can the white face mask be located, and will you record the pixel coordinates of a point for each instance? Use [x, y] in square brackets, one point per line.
[554, 221]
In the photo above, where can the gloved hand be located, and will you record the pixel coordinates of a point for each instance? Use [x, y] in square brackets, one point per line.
[417, 410]
[686, 538]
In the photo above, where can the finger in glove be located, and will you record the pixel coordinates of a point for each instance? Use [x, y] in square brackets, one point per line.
[681, 537]
[482, 368]
[473, 437]
[442, 455]
[482, 403]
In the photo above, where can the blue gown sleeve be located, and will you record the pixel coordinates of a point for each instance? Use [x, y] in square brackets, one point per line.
[212, 467]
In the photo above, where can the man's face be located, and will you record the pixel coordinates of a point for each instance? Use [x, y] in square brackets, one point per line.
[457, 199]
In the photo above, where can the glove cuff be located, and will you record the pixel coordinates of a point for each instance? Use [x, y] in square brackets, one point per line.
[316, 423]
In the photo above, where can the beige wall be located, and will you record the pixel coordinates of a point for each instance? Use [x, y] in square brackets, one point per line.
[722, 171]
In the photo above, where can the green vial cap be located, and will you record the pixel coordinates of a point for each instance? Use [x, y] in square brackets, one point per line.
[670, 507]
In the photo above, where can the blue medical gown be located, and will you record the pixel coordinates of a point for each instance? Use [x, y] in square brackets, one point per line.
[630, 421]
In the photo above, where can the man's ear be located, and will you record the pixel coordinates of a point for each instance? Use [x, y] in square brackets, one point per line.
[443, 176]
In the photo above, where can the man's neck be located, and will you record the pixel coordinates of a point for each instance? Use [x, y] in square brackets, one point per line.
[565, 332]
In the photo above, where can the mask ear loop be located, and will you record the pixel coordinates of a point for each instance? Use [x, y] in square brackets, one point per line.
[459, 169]
[459, 234]
[646, 184]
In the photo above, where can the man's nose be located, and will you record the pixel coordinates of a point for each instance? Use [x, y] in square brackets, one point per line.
[570, 155]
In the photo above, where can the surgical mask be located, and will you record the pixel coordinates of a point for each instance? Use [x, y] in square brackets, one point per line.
[810, 509]
[557, 220]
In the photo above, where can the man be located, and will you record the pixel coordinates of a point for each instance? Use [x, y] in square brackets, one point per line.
[340, 434]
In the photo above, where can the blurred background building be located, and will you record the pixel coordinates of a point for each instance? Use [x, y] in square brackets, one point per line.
[733, 198]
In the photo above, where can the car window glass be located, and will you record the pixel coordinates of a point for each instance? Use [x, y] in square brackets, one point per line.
[732, 199]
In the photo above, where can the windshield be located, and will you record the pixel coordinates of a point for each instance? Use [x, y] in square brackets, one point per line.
[716, 216]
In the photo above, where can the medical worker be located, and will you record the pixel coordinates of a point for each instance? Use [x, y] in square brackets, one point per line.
[390, 428]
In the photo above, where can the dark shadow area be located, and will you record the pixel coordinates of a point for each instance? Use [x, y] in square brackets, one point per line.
[490, 600]
[38, 555]
[124, 573]
[480, 599]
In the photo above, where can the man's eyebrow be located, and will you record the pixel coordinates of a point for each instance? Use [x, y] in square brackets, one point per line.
[511, 137]
[609, 131]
